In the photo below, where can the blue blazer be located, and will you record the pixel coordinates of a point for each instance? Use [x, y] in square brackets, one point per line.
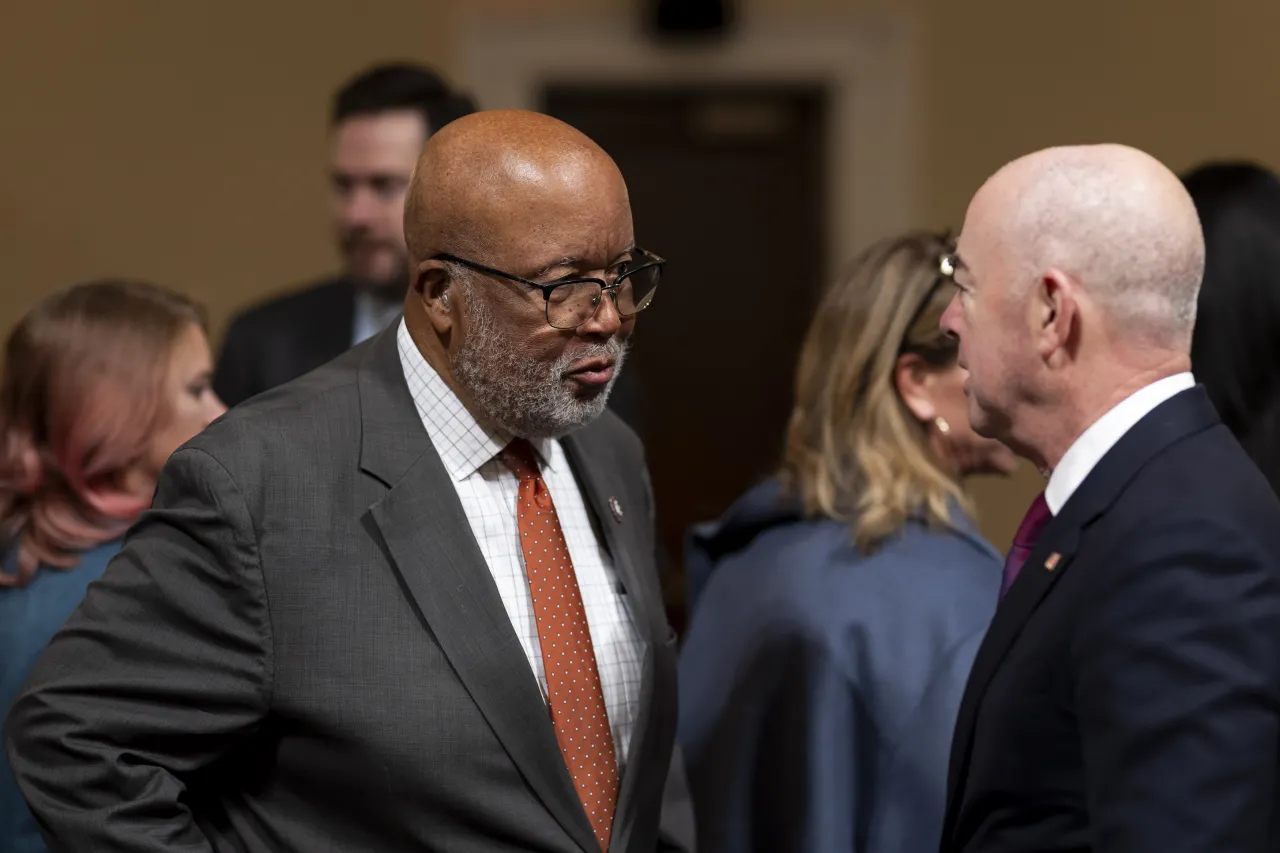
[819, 686]
[1127, 696]
[29, 617]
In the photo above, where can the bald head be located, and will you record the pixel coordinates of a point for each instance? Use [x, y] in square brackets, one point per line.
[1115, 220]
[531, 214]
[496, 175]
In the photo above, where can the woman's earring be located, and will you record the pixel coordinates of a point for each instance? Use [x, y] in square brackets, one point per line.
[942, 425]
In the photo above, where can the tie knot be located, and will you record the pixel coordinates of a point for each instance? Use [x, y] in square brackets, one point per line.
[521, 458]
[1033, 523]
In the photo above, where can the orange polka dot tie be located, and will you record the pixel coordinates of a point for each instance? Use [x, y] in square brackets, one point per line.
[573, 680]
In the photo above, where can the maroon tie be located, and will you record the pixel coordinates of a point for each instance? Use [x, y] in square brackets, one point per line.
[1033, 524]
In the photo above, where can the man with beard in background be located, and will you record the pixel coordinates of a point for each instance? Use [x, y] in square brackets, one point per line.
[407, 602]
[381, 119]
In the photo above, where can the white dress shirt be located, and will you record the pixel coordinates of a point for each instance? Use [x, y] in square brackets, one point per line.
[488, 492]
[1087, 450]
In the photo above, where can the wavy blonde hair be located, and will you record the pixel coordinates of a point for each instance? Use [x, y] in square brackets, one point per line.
[854, 452]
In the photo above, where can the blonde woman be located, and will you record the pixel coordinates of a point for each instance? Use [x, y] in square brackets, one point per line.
[837, 609]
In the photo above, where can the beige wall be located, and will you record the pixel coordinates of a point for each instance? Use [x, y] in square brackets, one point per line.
[171, 141]
[184, 142]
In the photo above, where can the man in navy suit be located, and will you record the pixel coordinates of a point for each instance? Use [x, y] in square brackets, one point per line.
[1127, 695]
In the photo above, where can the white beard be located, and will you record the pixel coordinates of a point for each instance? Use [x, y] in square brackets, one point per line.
[529, 399]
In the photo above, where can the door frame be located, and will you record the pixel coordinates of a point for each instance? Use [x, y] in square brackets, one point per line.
[865, 64]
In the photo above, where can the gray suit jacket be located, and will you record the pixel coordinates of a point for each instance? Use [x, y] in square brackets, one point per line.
[301, 648]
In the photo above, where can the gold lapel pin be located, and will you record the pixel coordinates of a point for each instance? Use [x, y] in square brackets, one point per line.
[1052, 562]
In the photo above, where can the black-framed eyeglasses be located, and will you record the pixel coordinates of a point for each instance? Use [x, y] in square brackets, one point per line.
[573, 301]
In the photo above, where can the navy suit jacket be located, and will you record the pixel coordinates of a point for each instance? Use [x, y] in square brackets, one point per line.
[1126, 698]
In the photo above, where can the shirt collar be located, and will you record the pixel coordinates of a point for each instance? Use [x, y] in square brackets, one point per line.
[1087, 450]
[374, 313]
[463, 443]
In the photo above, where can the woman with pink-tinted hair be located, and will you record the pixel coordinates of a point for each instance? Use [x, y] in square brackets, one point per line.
[101, 383]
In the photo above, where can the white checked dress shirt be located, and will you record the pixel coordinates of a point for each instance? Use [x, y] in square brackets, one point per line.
[488, 492]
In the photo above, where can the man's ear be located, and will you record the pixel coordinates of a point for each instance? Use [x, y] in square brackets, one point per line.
[914, 381]
[434, 287]
[1055, 311]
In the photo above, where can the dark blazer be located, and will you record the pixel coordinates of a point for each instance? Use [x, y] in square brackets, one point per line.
[819, 686]
[279, 340]
[301, 648]
[1127, 696]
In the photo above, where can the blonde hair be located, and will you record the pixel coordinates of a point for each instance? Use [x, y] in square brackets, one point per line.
[854, 452]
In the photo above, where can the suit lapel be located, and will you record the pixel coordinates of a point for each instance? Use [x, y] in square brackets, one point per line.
[602, 492]
[1182, 415]
[1045, 564]
[603, 489]
[444, 572]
